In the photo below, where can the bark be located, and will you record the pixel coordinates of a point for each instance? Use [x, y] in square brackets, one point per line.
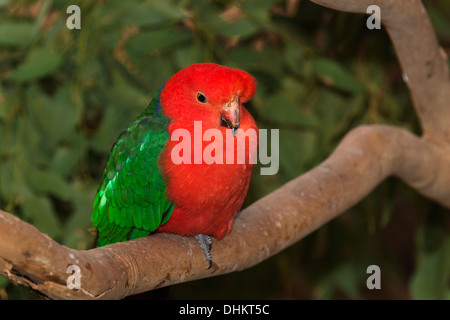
[364, 158]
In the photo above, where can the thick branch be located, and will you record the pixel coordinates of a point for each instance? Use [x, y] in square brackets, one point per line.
[364, 158]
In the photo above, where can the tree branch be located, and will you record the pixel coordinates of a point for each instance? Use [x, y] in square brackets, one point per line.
[423, 61]
[365, 157]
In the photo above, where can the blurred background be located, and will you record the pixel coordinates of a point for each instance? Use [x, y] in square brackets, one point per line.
[65, 95]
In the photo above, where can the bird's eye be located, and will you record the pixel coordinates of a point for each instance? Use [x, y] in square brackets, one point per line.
[201, 97]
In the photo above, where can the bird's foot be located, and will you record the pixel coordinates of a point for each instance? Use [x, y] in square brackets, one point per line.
[205, 244]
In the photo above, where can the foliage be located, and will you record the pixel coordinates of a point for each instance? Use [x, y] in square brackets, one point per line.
[65, 95]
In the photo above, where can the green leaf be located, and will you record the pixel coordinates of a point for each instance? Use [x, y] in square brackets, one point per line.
[281, 109]
[258, 8]
[294, 57]
[432, 275]
[345, 277]
[15, 34]
[3, 282]
[150, 13]
[6, 181]
[296, 150]
[49, 182]
[4, 106]
[76, 229]
[160, 40]
[39, 63]
[187, 55]
[167, 9]
[241, 27]
[66, 159]
[41, 213]
[334, 75]
[249, 59]
[63, 113]
[53, 117]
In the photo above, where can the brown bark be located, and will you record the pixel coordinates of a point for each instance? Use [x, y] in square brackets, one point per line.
[365, 157]
[423, 61]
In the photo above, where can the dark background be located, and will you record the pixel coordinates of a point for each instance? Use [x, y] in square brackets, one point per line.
[65, 95]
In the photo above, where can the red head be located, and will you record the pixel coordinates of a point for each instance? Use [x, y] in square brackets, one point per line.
[206, 196]
[208, 90]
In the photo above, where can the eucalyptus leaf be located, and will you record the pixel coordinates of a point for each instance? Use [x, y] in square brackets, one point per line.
[3, 282]
[160, 41]
[432, 275]
[65, 160]
[334, 75]
[39, 63]
[6, 181]
[49, 182]
[283, 110]
[77, 228]
[242, 27]
[144, 13]
[259, 8]
[41, 213]
[296, 150]
[15, 34]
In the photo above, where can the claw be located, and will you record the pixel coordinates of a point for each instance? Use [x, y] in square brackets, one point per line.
[205, 244]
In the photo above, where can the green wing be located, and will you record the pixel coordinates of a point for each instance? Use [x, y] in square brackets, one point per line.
[131, 201]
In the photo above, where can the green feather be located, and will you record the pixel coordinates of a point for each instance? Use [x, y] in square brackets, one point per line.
[131, 201]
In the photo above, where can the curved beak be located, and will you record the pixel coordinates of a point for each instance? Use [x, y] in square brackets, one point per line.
[231, 114]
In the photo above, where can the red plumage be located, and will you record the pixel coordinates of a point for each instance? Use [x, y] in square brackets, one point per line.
[207, 196]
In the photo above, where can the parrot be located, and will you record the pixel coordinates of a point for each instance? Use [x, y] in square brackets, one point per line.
[144, 191]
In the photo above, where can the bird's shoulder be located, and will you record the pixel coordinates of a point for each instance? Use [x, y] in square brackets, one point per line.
[131, 194]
